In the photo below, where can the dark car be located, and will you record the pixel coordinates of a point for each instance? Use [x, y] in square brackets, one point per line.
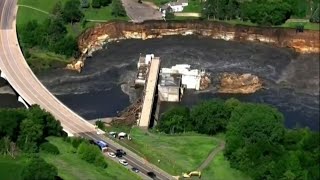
[135, 169]
[151, 174]
[120, 151]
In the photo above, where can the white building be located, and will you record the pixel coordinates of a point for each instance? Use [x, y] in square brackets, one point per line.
[174, 6]
[190, 78]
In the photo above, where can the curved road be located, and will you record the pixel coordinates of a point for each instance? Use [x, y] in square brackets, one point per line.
[23, 80]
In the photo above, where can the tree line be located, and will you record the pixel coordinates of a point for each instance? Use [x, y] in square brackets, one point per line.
[261, 12]
[23, 133]
[52, 34]
[257, 142]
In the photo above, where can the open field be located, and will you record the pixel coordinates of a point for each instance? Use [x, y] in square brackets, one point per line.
[177, 154]
[10, 169]
[71, 167]
[180, 153]
[220, 169]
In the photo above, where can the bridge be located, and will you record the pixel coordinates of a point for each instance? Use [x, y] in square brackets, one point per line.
[150, 90]
[16, 71]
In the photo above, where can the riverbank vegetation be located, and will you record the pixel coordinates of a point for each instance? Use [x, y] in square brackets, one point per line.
[276, 13]
[33, 146]
[257, 143]
[48, 30]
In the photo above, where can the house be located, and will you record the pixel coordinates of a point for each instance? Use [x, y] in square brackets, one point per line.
[174, 6]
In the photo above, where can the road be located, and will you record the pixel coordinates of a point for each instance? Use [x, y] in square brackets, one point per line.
[26, 84]
[139, 12]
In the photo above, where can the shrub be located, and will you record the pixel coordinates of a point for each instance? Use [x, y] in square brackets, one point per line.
[49, 148]
[38, 169]
[96, 4]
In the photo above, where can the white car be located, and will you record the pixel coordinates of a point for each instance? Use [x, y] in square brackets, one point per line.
[123, 162]
[111, 154]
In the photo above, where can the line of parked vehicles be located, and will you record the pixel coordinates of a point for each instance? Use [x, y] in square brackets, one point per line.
[119, 153]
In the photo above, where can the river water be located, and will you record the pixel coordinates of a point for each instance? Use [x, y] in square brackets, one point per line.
[103, 88]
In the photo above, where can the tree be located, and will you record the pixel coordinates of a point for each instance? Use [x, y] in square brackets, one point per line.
[117, 9]
[31, 134]
[57, 10]
[105, 2]
[176, 120]
[254, 139]
[38, 169]
[91, 154]
[85, 4]
[315, 17]
[71, 11]
[28, 34]
[267, 13]
[52, 127]
[96, 3]
[10, 123]
[209, 117]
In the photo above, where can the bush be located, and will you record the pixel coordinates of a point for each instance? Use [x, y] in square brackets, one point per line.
[49, 148]
[85, 4]
[91, 154]
[38, 169]
[100, 162]
[77, 141]
[96, 4]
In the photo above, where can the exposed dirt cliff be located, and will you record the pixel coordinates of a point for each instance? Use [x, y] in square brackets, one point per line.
[94, 38]
[239, 83]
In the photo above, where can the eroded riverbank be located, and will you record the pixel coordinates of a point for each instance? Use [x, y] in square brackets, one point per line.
[102, 89]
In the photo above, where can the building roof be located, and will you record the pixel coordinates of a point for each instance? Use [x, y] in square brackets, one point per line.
[183, 1]
[167, 79]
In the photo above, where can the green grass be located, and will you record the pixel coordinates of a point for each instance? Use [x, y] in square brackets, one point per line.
[10, 169]
[26, 14]
[71, 167]
[41, 60]
[220, 169]
[177, 154]
[193, 6]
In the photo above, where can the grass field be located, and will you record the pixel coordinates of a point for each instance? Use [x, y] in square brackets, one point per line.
[101, 14]
[220, 169]
[10, 169]
[181, 153]
[70, 167]
[177, 154]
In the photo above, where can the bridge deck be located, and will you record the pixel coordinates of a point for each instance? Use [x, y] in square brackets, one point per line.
[149, 93]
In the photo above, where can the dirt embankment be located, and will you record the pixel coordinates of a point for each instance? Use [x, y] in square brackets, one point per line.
[94, 38]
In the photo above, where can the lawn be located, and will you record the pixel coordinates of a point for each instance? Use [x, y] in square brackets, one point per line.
[40, 60]
[102, 14]
[220, 169]
[10, 169]
[70, 167]
[177, 153]
[193, 6]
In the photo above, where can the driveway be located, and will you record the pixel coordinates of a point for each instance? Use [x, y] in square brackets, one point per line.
[139, 12]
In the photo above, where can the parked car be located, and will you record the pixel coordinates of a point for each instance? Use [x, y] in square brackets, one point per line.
[135, 170]
[112, 154]
[123, 162]
[151, 174]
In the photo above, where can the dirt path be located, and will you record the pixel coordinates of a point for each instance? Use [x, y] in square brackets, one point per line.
[30, 7]
[212, 155]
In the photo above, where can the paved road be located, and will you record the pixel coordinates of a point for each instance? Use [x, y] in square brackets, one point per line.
[139, 12]
[23, 80]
